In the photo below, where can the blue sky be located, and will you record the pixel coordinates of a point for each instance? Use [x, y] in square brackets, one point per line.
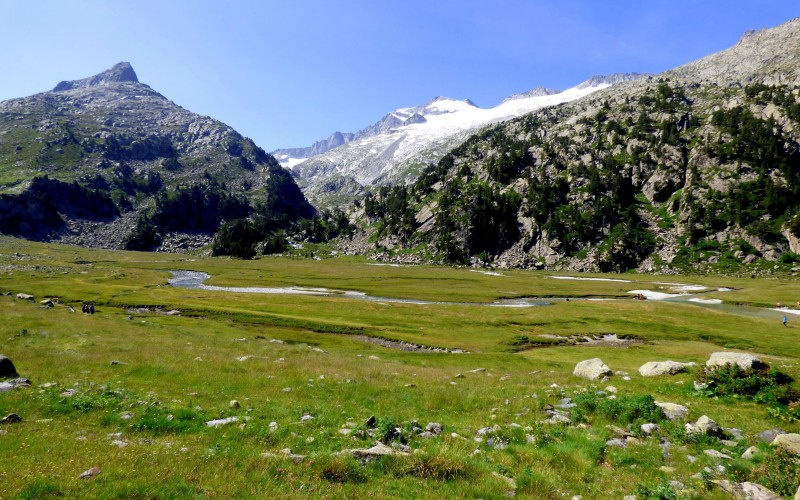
[287, 73]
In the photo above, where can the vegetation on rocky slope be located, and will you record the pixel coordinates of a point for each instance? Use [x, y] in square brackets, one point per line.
[629, 179]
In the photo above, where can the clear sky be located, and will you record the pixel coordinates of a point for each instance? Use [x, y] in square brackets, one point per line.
[289, 72]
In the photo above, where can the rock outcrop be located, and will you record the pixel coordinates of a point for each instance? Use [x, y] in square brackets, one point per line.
[656, 368]
[742, 360]
[592, 369]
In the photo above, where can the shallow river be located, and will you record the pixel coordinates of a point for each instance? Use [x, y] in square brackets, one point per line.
[686, 294]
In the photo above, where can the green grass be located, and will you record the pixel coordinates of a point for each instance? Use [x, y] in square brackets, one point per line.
[177, 372]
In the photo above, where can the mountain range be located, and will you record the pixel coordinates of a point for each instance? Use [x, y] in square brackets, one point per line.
[397, 147]
[697, 168]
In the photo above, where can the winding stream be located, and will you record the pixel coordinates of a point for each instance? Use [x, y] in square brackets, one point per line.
[679, 293]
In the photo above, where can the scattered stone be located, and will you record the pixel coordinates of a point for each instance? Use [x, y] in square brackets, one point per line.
[434, 428]
[11, 418]
[611, 389]
[692, 459]
[743, 360]
[591, 369]
[234, 404]
[119, 444]
[222, 421]
[345, 431]
[616, 443]
[673, 411]
[14, 384]
[557, 419]
[115, 362]
[789, 442]
[750, 453]
[276, 341]
[460, 375]
[650, 428]
[48, 385]
[126, 416]
[244, 358]
[706, 427]
[374, 358]
[198, 358]
[7, 368]
[728, 443]
[89, 473]
[47, 303]
[287, 389]
[306, 418]
[656, 368]
[371, 421]
[477, 370]
[717, 454]
[769, 435]
[25, 296]
[618, 431]
[747, 490]
[377, 451]
[410, 385]
[734, 433]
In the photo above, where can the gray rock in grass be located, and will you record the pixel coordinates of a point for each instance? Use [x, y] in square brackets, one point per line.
[742, 360]
[592, 369]
[657, 368]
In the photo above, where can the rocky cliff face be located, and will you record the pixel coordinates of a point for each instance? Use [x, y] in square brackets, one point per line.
[117, 137]
[696, 168]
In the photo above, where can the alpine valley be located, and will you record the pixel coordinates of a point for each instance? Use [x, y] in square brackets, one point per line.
[698, 167]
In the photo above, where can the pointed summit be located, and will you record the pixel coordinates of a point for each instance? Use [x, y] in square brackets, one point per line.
[121, 72]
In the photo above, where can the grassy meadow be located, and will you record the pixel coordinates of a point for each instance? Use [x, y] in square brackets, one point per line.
[128, 390]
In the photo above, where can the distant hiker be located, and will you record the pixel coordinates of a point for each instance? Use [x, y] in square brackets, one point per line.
[785, 319]
[91, 309]
[85, 309]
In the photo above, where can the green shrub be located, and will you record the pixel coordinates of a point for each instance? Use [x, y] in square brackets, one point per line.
[440, 466]
[790, 258]
[342, 469]
[778, 471]
[662, 491]
[763, 385]
[623, 410]
[84, 401]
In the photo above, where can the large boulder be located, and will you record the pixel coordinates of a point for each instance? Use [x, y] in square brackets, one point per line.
[656, 368]
[789, 442]
[743, 360]
[591, 369]
[7, 368]
[706, 427]
[673, 411]
[747, 490]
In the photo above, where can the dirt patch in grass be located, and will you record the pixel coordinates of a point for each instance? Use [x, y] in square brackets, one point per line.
[524, 343]
[408, 346]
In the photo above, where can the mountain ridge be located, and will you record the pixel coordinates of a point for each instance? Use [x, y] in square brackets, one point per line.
[396, 148]
[118, 141]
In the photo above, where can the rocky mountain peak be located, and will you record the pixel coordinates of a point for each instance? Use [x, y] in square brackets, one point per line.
[120, 72]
